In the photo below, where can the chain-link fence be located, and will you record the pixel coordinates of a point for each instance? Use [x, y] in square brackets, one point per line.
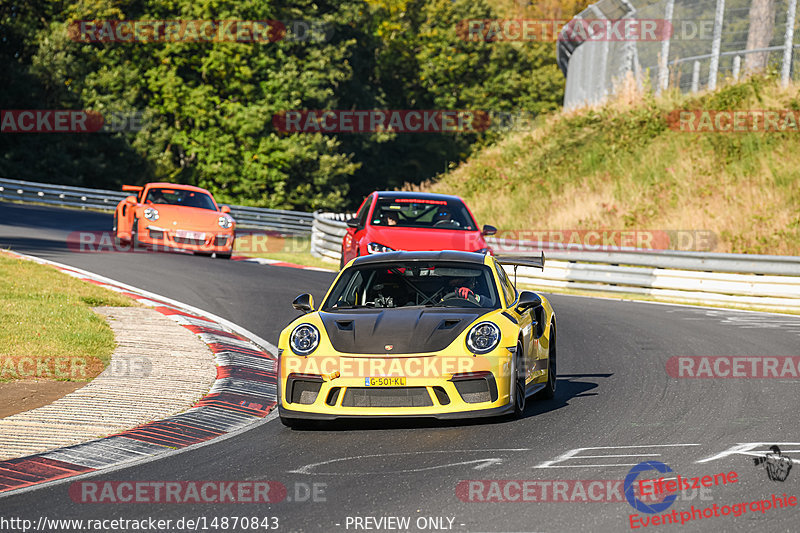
[689, 44]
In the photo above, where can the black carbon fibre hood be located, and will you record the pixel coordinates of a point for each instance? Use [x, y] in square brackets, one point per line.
[408, 330]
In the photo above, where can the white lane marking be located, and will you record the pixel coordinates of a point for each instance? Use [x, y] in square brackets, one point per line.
[620, 455]
[160, 299]
[728, 317]
[482, 463]
[573, 454]
[746, 448]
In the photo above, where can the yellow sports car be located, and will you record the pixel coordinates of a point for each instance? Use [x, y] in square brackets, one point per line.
[418, 334]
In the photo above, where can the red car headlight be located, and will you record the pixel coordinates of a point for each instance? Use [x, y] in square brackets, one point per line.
[376, 248]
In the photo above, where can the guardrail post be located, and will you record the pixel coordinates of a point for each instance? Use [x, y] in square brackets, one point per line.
[663, 66]
[713, 68]
[695, 76]
[737, 67]
[788, 41]
[314, 236]
[603, 65]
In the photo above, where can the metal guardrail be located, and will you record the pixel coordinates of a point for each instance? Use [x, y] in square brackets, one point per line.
[781, 265]
[327, 233]
[702, 43]
[767, 281]
[291, 222]
[61, 195]
[761, 280]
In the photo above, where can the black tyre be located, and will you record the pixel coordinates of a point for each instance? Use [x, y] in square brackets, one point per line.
[135, 243]
[520, 387]
[549, 390]
[224, 256]
[204, 254]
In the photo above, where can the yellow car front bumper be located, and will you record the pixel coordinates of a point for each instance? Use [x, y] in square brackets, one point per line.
[420, 386]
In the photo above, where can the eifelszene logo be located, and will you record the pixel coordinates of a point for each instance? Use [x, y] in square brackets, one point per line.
[630, 483]
[776, 464]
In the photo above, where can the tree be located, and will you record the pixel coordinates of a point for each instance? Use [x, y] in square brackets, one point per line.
[762, 26]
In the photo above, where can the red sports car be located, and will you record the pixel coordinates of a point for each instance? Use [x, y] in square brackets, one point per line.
[175, 216]
[410, 221]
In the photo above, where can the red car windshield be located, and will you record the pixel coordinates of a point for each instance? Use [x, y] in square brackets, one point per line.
[180, 197]
[422, 213]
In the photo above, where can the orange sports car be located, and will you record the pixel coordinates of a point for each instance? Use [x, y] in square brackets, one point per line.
[174, 216]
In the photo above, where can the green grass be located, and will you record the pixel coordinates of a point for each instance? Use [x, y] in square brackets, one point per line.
[621, 166]
[46, 317]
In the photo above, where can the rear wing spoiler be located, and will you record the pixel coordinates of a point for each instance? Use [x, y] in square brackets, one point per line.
[521, 261]
[132, 188]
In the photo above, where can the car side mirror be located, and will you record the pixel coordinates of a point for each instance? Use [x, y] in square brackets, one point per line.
[528, 300]
[225, 209]
[304, 303]
[131, 200]
[488, 230]
[352, 222]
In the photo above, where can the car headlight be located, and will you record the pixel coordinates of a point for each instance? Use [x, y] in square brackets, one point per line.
[304, 339]
[151, 213]
[225, 222]
[483, 337]
[375, 248]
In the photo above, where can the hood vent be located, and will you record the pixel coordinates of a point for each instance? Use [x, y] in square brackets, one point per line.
[408, 330]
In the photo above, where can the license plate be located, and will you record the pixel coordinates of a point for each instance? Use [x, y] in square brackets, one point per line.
[385, 382]
[193, 235]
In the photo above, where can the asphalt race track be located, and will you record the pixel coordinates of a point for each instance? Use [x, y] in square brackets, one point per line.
[614, 395]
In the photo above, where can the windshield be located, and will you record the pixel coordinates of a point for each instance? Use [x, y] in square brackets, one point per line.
[422, 213]
[414, 284]
[180, 197]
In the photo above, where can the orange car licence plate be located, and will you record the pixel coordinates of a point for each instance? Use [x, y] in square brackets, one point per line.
[385, 382]
[193, 235]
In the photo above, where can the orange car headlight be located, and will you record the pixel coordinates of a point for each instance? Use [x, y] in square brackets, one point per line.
[225, 222]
